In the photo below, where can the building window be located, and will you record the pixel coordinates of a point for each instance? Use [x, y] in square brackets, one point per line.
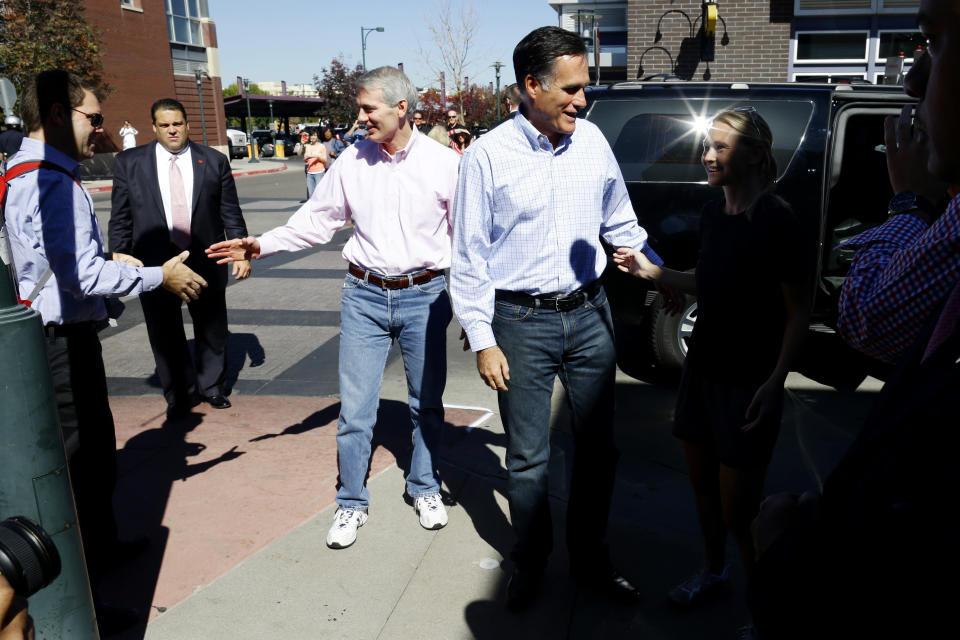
[184, 20]
[853, 7]
[891, 43]
[835, 78]
[832, 46]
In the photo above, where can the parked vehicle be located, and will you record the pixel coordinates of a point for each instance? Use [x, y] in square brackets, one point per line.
[264, 140]
[828, 142]
[238, 143]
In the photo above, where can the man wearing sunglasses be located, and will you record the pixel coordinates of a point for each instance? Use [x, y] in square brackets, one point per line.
[61, 267]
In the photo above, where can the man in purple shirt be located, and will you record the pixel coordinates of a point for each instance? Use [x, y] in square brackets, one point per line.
[398, 189]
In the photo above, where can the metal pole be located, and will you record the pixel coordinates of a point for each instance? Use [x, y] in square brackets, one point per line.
[364, 32]
[203, 123]
[497, 66]
[253, 145]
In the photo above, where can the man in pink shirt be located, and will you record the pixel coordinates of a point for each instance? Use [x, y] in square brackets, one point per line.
[398, 188]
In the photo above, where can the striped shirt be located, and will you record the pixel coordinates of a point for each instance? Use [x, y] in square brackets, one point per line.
[901, 274]
[528, 217]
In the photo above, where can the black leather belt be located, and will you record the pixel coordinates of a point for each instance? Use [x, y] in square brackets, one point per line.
[394, 282]
[568, 302]
[72, 329]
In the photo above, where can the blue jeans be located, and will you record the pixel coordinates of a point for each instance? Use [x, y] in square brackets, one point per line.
[578, 346]
[313, 179]
[371, 318]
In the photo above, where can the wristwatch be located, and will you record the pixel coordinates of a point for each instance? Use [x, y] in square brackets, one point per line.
[914, 203]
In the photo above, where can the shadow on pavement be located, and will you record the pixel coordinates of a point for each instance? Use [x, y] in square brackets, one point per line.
[148, 466]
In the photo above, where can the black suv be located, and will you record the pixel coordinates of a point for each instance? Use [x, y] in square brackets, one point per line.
[828, 142]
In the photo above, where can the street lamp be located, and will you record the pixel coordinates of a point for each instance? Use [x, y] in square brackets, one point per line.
[364, 32]
[198, 73]
[253, 147]
[496, 67]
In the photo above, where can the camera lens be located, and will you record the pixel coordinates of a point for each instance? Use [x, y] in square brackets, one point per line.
[28, 557]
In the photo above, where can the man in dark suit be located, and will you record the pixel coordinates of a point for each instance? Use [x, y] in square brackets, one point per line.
[170, 195]
[874, 555]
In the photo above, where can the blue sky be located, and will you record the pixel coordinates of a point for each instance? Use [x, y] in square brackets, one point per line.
[294, 39]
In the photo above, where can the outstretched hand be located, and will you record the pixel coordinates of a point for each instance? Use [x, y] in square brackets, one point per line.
[181, 280]
[234, 250]
[636, 264]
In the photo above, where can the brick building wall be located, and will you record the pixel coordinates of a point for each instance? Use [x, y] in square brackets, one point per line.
[758, 51]
[136, 64]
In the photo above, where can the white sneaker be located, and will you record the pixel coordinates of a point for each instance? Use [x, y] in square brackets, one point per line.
[433, 515]
[343, 532]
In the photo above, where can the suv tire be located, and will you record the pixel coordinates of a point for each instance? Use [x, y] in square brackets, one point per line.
[670, 334]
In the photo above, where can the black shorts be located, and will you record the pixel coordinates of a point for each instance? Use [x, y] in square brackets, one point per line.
[714, 412]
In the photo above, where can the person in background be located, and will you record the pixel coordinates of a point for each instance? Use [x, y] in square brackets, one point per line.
[333, 144]
[513, 98]
[170, 195]
[314, 161]
[731, 392]
[129, 135]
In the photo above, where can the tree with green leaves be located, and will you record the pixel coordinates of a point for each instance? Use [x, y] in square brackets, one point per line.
[337, 85]
[232, 90]
[38, 35]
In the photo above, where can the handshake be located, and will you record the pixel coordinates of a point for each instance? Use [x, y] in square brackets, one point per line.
[178, 278]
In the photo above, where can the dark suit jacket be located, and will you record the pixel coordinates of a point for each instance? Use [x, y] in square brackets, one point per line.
[138, 226]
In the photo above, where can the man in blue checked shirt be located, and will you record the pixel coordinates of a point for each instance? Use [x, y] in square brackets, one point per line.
[58, 254]
[533, 198]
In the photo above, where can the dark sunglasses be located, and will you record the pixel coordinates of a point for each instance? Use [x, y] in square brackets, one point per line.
[752, 112]
[96, 119]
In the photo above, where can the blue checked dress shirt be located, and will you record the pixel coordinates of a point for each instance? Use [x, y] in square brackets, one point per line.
[51, 222]
[528, 217]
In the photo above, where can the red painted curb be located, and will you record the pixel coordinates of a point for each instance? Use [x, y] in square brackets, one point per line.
[236, 174]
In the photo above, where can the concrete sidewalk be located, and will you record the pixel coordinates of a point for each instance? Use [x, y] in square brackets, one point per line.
[239, 167]
[237, 503]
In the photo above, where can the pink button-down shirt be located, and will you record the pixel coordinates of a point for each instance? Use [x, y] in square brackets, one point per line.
[400, 206]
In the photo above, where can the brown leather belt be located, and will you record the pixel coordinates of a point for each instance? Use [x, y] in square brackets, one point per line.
[394, 282]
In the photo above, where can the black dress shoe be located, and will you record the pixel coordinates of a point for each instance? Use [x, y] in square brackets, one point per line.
[522, 589]
[607, 581]
[218, 401]
[177, 411]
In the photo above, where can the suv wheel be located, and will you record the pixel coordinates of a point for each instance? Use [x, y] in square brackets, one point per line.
[670, 334]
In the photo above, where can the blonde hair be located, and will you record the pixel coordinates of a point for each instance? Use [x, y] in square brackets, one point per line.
[439, 134]
[754, 132]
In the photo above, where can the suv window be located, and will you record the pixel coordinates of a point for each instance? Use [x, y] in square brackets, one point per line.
[660, 140]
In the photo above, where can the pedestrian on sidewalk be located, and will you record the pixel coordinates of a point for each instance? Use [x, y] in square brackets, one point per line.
[168, 196]
[398, 189]
[314, 161]
[129, 135]
[526, 287]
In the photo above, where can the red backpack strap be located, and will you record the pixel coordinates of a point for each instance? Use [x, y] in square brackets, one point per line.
[18, 170]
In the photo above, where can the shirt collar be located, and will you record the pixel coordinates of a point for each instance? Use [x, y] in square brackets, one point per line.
[536, 139]
[401, 153]
[31, 149]
[166, 155]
